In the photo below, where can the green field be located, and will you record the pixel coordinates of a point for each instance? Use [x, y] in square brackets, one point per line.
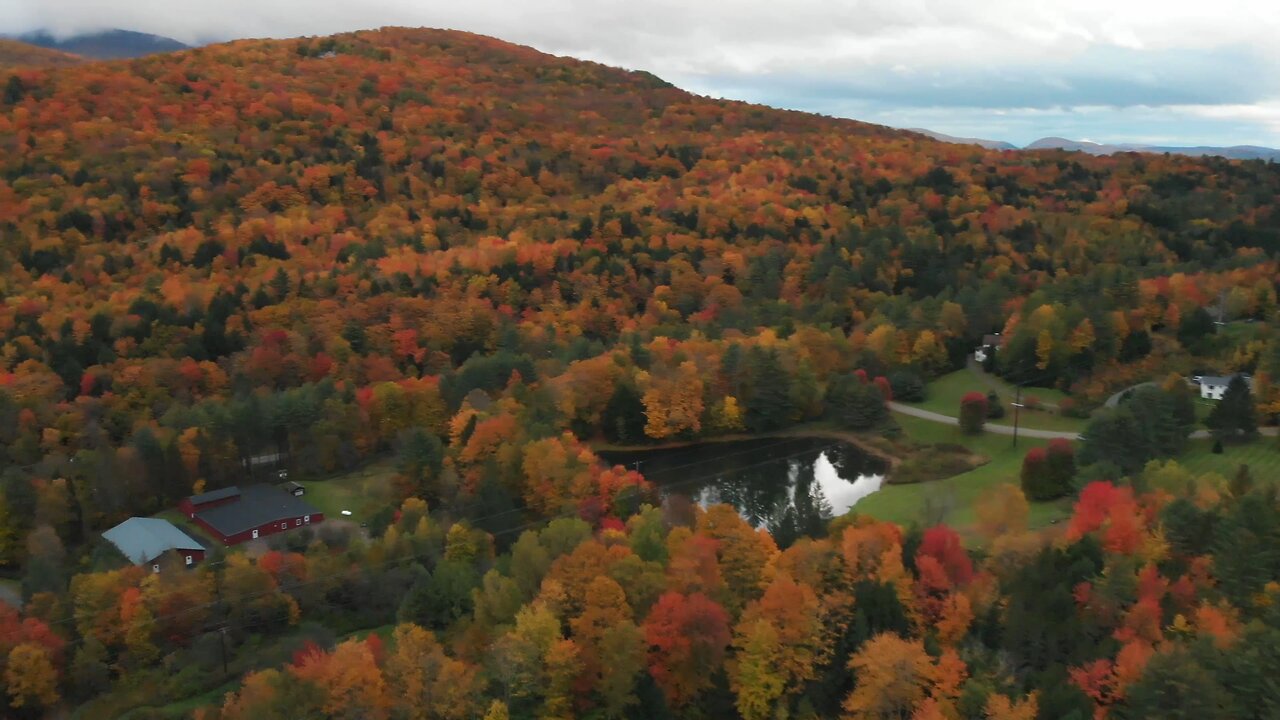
[905, 504]
[943, 396]
[1262, 456]
[362, 491]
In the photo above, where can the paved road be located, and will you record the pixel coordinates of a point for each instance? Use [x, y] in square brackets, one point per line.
[1114, 400]
[1031, 432]
[11, 593]
[996, 429]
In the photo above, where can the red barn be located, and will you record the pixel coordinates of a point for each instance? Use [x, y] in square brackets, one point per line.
[234, 515]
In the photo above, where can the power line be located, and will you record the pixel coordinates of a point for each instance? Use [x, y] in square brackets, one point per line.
[412, 557]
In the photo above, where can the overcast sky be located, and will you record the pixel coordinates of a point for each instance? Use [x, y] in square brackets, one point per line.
[1164, 72]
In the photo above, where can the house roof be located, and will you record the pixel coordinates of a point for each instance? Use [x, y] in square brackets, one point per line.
[258, 505]
[996, 339]
[214, 495]
[144, 539]
[1220, 380]
[292, 485]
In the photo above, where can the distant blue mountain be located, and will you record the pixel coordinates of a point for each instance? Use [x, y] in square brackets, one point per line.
[106, 45]
[1235, 152]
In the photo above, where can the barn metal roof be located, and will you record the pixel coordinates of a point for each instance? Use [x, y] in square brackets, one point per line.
[214, 495]
[258, 505]
[145, 539]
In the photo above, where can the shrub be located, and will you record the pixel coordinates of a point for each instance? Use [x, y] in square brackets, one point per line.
[932, 463]
[886, 390]
[973, 413]
[1068, 407]
[1048, 473]
[1062, 463]
[907, 386]
[995, 408]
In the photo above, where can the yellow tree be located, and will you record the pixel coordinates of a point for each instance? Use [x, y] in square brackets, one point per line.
[428, 684]
[563, 665]
[893, 675]
[605, 607]
[929, 353]
[1002, 519]
[31, 676]
[754, 674]
[674, 405]
[745, 554]
[1044, 349]
[1083, 337]
[1000, 707]
[794, 611]
[883, 341]
[497, 711]
[951, 320]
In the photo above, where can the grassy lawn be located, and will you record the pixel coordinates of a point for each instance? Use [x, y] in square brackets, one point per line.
[1203, 408]
[184, 708]
[903, 504]
[943, 396]
[1262, 456]
[363, 491]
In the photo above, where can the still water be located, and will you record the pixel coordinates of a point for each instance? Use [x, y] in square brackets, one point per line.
[763, 479]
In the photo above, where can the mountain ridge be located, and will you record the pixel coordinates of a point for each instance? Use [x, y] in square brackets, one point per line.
[114, 44]
[16, 53]
[1051, 142]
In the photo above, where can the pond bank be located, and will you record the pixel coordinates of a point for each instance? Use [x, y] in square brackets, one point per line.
[869, 444]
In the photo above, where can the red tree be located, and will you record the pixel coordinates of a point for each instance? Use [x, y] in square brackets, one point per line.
[973, 412]
[943, 545]
[687, 636]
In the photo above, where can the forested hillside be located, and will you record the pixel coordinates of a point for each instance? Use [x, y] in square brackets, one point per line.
[479, 259]
[14, 54]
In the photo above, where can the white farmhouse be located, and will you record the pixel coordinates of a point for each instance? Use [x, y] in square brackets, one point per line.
[990, 344]
[1212, 387]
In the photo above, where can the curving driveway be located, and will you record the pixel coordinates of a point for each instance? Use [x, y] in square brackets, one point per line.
[1114, 400]
[1031, 432]
[995, 429]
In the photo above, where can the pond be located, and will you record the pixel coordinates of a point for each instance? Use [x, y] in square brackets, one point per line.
[795, 482]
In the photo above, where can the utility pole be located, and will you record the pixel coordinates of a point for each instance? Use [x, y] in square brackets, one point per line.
[222, 628]
[1017, 408]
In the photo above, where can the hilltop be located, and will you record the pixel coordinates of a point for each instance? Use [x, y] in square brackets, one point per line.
[424, 275]
[14, 54]
[107, 44]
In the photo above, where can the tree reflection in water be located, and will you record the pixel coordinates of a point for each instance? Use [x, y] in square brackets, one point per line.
[790, 486]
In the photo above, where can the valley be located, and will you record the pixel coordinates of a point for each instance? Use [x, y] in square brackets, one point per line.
[460, 380]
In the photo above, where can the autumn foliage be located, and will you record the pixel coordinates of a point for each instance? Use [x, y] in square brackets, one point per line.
[465, 263]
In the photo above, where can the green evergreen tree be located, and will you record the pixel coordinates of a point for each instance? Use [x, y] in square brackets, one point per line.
[623, 418]
[1174, 685]
[1234, 417]
[855, 404]
[768, 402]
